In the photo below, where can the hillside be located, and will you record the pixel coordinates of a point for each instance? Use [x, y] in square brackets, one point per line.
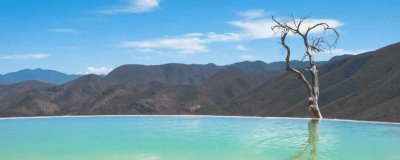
[182, 74]
[364, 86]
[131, 89]
[231, 83]
[172, 74]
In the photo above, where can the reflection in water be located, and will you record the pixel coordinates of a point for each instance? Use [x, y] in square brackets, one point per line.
[312, 142]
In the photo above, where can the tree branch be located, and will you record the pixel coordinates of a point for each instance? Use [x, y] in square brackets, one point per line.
[319, 42]
[289, 68]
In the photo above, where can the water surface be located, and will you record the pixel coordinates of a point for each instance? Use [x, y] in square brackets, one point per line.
[194, 137]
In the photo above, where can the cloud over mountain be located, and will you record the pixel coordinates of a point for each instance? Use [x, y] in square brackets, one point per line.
[134, 6]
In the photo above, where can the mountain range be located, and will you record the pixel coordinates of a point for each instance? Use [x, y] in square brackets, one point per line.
[43, 75]
[172, 73]
[362, 87]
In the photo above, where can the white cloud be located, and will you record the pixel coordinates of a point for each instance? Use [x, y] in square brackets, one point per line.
[24, 56]
[186, 44]
[226, 37]
[183, 45]
[193, 35]
[256, 29]
[340, 51]
[134, 6]
[260, 29]
[63, 30]
[241, 47]
[252, 14]
[248, 58]
[191, 43]
[98, 70]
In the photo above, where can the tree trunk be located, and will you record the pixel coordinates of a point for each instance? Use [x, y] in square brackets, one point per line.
[312, 88]
[314, 109]
[313, 99]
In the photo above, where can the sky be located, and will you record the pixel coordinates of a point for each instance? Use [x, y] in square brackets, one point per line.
[92, 36]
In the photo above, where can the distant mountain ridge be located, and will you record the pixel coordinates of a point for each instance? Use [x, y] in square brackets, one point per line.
[362, 87]
[43, 75]
[259, 66]
[171, 73]
[123, 92]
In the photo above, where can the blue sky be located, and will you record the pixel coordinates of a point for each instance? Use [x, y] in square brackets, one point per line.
[92, 36]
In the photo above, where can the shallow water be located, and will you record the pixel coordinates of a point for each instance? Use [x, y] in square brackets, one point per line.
[194, 137]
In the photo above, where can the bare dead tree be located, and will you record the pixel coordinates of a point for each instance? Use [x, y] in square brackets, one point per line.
[313, 44]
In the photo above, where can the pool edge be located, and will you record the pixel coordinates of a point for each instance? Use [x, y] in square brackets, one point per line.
[221, 116]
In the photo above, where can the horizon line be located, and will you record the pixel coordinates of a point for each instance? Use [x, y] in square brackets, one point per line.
[205, 116]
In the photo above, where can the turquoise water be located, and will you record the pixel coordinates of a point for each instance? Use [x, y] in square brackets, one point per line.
[194, 137]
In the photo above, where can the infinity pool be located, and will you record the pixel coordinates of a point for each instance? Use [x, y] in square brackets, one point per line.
[194, 137]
